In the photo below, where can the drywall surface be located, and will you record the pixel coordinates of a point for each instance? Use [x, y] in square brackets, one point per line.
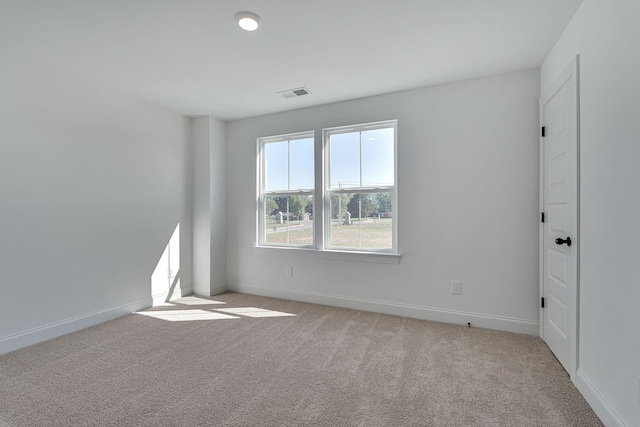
[468, 206]
[201, 206]
[605, 33]
[209, 209]
[94, 185]
[218, 204]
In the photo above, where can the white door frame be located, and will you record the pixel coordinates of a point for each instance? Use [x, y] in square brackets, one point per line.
[571, 71]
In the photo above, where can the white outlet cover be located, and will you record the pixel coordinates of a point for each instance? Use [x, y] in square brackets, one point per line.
[288, 271]
[456, 287]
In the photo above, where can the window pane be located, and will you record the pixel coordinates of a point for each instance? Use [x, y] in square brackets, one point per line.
[276, 169]
[365, 222]
[289, 220]
[376, 225]
[275, 220]
[301, 225]
[343, 233]
[377, 158]
[344, 160]
[301, 164]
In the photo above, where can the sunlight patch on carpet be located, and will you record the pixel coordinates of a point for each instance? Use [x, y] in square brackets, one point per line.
[192, 300]
[186, 315]
[254, 312]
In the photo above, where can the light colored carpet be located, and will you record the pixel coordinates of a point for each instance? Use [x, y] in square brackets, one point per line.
[197, 365]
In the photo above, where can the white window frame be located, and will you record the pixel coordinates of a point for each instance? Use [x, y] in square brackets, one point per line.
[328, 191]
[322, 199]
[262, 194]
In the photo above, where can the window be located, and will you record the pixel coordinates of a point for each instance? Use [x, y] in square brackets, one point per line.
[286, 190]
[360, 187]
[356, 192]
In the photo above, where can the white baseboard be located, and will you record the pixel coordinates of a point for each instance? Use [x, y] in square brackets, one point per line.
[215, 290]
[598, 403]
[203, 291]
[56, 329]
[521, 326]
[208, 291]
[186, 290]
[177, 293]
[160, 298]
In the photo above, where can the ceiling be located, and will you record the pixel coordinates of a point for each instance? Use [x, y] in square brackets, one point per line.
[189, 56]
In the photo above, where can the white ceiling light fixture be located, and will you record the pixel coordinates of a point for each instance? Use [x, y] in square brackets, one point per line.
[248, 21]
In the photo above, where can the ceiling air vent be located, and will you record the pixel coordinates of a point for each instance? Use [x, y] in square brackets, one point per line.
[292, 93]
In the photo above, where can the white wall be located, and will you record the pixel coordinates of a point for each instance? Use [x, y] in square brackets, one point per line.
[218, 165]
[209, 205]
[201, 206]
[93, 186]
[468, 207]
[606, 34]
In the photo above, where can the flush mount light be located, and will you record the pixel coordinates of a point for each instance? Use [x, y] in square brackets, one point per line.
[248, 21]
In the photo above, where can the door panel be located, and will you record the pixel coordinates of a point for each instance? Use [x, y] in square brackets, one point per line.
[560, 204]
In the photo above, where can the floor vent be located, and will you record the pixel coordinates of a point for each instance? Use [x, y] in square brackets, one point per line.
[292, 93]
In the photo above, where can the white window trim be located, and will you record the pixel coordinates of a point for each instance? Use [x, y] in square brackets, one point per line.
[260, 197]
[321, 198]
[327, 191]
[329, 255]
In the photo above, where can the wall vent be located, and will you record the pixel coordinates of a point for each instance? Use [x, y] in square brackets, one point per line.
[292, 93]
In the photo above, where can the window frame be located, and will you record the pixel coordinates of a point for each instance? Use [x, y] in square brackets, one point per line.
[328, 191]
[321, 194]
[263, 194]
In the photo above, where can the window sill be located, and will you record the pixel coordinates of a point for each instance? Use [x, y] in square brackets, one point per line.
[336, 255]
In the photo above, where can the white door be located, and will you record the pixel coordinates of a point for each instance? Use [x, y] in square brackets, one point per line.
[560, 227]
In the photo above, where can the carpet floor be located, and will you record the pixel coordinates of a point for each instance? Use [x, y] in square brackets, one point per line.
[244, 360]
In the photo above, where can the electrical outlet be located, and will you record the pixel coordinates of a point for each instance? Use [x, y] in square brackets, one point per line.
[288, 271]
[456, 287]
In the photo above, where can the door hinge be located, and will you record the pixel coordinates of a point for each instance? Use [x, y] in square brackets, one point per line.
[542, 217]
[542, 302]
[544, 131]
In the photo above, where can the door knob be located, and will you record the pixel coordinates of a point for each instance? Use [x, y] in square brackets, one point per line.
[560, 241]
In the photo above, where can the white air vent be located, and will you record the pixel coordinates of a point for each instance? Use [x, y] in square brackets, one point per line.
[292, 93]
